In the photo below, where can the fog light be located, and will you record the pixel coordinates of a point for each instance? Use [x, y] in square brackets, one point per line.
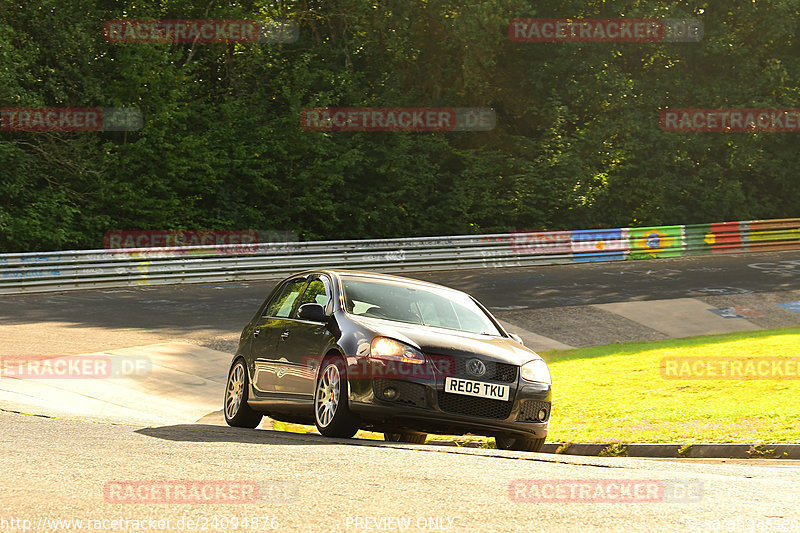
[390, 393]
[542, 415]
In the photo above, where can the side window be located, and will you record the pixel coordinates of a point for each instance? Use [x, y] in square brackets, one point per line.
[281, 306]
[316, 292]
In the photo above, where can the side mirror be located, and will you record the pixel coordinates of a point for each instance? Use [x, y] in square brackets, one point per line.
[517, 338]
[313, 312]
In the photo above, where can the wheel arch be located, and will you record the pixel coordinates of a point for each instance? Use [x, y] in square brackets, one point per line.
[249, 368]
[336, 351]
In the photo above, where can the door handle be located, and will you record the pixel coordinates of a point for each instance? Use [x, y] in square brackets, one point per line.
[256, 332]
[284, 335]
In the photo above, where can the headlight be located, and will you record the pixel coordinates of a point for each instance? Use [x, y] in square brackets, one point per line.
[391, 350]
[536, 371]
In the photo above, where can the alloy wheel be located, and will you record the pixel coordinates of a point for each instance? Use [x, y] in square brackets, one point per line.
[328, 395]
[235, 391]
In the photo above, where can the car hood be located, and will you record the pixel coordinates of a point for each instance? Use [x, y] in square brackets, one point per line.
[435, 341]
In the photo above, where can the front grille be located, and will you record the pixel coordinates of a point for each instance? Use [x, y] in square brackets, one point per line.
[408, 393]
[500, 372]
[529, 411]
[479, 407]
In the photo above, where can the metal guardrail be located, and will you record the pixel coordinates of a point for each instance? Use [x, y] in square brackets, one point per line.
[86, 269]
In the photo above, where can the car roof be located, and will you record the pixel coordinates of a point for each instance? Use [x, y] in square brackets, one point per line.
[378, 276]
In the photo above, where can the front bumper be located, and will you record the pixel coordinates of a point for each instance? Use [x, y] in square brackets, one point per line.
[421, 404]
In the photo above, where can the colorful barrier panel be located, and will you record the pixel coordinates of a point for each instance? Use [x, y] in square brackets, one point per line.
[79, 269]
[767, 235]
[655, 242]
[541, 242]
[600, 245]
[697, 239]
[726, 237]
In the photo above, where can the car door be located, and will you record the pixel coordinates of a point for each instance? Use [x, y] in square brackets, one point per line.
[274, 322]
[305, 342]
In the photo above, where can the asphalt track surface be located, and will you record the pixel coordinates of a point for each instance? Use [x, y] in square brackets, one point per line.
[68, 470]
[60, 469]
[225, 307]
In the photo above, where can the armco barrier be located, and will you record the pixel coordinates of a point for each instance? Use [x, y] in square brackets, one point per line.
[85, 269]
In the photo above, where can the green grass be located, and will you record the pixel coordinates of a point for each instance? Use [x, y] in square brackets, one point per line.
[616, 393]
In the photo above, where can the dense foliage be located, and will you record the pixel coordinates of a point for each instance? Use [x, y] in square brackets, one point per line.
[577, 142]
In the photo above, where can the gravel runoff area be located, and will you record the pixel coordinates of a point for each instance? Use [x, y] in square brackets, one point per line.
[578, 326]
[586, 325]
[563, 303]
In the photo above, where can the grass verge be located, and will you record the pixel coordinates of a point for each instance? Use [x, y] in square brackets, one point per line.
[616, 393]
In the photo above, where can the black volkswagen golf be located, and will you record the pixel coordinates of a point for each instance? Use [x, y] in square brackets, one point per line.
[346, 350]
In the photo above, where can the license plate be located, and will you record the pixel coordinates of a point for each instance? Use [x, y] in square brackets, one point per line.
[478, 389]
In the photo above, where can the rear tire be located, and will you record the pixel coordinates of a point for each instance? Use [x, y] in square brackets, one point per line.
[411, 438]
[520, 444]
[237, 412]
[332, 414]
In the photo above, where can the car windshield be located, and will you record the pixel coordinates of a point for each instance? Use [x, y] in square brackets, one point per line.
[415, 304]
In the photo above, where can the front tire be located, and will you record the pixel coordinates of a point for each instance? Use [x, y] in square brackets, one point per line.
[237, 412]
[332, 414]
[412, 438]
[520, 444]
